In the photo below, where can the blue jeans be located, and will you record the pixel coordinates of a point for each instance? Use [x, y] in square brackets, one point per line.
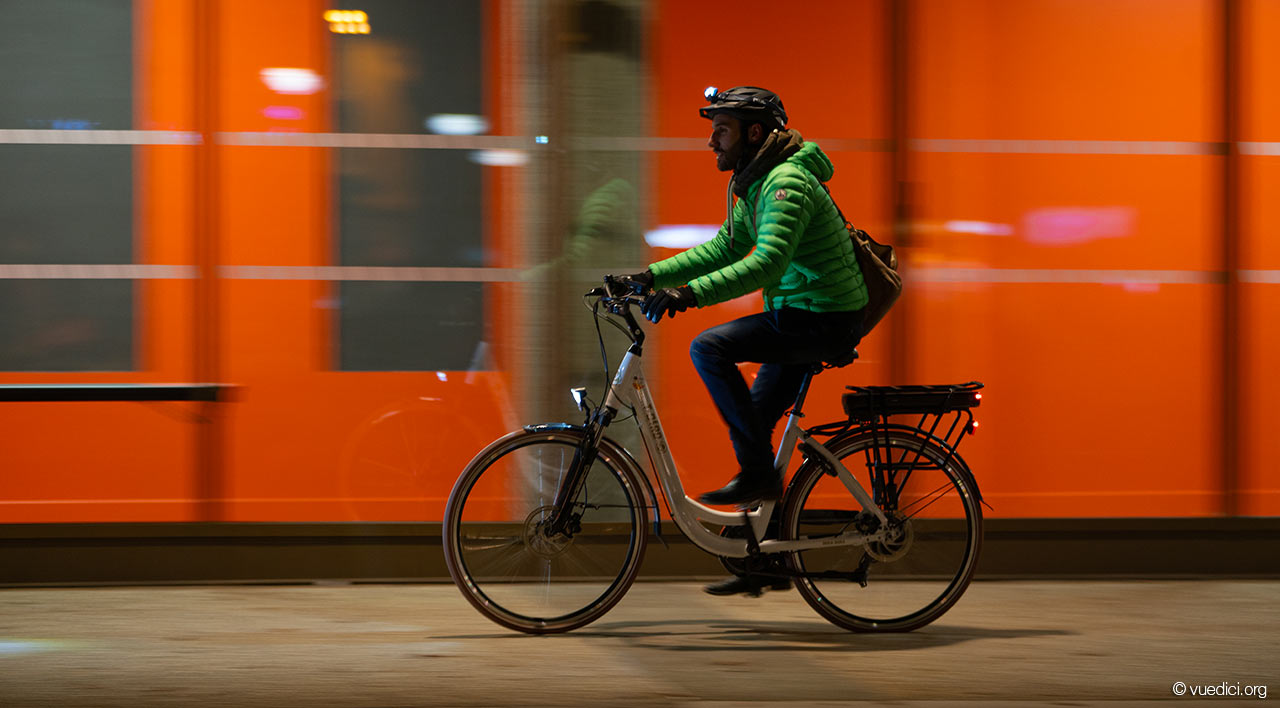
[787, 342]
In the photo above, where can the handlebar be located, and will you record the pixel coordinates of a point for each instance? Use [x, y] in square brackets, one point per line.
[618, 295]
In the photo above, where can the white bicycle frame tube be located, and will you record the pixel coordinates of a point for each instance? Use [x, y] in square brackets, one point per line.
[629, 387]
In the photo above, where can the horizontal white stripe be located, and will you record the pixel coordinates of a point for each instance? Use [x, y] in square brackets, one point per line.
[98, 137]
[623, 144]
[1259, 148]
[1051, 275]
[123, 271]
[1259, 276]
[1072, 147]
[379, 140]
[513, 275]
[370, 273]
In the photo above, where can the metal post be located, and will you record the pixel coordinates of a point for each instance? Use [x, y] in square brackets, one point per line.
[1231, 331]
[899, 186]
[209, 488]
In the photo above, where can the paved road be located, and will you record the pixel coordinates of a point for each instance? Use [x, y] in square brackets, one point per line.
[667, 644]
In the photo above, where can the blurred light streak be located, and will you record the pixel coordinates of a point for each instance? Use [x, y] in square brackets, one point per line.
[10, 646]
[1253, 148]
[1074, 147]
[1065, 226]
[349, 28]
[924, 274]
[457, 124]
[404, 274]
[283, 112]
[1133, 287]
[681, 235]
[982, 228]
[98, 137]
[936, 274]
[375, 140]
[500, 158]
[345, 16]
[95, 271]
[347, 21]
[291, 80]
[72, 124]
[1259, 276]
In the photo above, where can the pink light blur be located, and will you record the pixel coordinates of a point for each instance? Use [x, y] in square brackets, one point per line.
[283, 112]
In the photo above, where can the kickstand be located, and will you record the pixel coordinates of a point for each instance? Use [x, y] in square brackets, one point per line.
[753, 546]
[752, 561]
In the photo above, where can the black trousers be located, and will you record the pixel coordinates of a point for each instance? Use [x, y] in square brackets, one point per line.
[786, 342]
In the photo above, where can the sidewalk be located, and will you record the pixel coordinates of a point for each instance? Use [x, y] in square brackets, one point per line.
[1082, 642]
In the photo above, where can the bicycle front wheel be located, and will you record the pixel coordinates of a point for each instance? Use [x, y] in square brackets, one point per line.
[511, 566]
[925, 561]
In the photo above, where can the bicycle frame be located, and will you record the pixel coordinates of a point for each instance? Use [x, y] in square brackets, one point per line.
[629, 388]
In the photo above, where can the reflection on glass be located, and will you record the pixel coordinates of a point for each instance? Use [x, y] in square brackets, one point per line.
[1067, 226]
[409, 207]
[292, 81]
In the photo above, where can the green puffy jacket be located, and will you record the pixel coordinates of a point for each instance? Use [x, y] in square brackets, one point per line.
[788, 240]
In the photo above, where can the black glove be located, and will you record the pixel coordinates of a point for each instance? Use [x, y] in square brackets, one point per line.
[641, 283]
[668, 301]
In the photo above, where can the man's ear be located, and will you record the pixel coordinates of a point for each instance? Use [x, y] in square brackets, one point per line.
[755, 134]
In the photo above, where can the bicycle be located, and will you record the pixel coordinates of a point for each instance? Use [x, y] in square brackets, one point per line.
[546, 527]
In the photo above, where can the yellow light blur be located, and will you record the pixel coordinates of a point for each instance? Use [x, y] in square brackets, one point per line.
[347, 21]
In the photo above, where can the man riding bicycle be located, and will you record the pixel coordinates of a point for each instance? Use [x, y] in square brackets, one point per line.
[783, 236]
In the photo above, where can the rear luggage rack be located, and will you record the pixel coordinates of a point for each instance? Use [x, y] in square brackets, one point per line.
[872, 408]
[868, 403]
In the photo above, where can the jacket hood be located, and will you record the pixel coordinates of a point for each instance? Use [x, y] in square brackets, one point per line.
[777, 147]
[815, 161]
[782, 146]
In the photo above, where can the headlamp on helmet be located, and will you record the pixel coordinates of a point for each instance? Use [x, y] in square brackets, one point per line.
[749, 103]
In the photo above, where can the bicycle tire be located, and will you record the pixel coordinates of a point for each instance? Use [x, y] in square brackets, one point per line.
[909, 572]
[543, 584]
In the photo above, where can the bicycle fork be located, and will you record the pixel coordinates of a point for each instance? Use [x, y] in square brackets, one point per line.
[562, 520]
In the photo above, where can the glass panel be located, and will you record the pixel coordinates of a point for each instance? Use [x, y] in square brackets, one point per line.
[66, 65]
[417, 71]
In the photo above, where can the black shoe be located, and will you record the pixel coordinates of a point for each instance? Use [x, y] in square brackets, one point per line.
[736, 584]
[744, 489]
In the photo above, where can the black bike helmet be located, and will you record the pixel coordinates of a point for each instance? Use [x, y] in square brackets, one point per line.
[749, 103]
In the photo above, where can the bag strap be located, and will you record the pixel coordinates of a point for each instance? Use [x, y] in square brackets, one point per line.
[850, 227]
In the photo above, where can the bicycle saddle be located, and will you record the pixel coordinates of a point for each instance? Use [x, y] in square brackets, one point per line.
[843, 360]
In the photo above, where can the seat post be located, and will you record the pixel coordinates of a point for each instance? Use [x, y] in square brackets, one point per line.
[804, 388]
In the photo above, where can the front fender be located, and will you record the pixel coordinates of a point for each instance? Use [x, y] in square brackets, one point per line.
[617, 452]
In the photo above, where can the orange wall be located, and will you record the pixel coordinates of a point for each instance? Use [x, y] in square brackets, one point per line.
[1259, 473]
[1103, 399]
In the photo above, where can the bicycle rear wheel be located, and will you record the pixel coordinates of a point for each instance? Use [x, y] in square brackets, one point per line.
[916, 574]
[501, 554]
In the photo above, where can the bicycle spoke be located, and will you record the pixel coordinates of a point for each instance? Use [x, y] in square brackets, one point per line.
[915, 567]
[507, 564]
